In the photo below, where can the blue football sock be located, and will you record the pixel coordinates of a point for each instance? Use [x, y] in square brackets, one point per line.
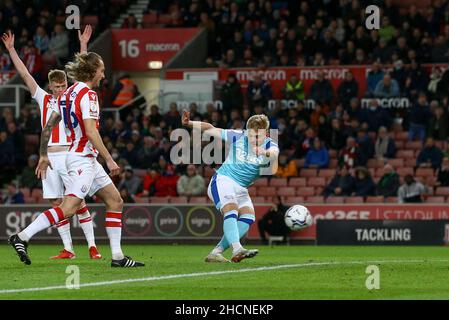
[230, 229]
[243, 224]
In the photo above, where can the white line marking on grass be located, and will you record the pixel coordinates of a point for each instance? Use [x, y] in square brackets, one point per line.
[215, 273]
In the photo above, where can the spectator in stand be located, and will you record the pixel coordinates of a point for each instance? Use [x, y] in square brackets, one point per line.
[416, 81]
[387, 88]
[126, 196]
[18, 139]
[431, 156]
[317, 156]
[384, 147]
[148, 154]
[418, 117]
[155, 117]
[411, 191]
[389, 183]
[231, 95]
[259, 91]
[14, 196]
[149, 182]
[341, 185]
[443, 173]
[337, 138]
[5, 61]
[294, 89]
[363, 185]
[364, 143]
[286, 168]
[191, 183]
[374, 77]
[229, 60]
[376, 116]
[166, 184]
[351, 156]
[348, 89]
[131, 182]
[28, 178]
[272, 222]
[438, 127]
[41, 40]
[173, 117]
[321, 90]
[58, 48]
[400, 75]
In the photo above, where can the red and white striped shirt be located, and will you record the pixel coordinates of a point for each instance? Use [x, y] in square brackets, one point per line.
[77, 103]
[45, 102]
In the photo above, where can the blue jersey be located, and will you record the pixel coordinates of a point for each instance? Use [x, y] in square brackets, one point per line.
[242, 164]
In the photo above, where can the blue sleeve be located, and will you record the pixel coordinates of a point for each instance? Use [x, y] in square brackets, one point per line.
[229, 135]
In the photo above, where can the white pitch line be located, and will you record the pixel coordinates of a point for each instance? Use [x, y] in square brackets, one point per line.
[214, 273]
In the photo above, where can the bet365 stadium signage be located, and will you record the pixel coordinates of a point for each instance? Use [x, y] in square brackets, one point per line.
[385, 232]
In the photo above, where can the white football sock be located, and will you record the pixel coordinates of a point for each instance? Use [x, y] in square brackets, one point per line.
[86, 224]
[64, 232]
[114, 231]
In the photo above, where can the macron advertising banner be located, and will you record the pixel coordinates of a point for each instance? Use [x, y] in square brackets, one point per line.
[146, 221]
[134, 49]
[278, 76]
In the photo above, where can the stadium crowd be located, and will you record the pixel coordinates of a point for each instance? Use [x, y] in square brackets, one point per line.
[358, 144]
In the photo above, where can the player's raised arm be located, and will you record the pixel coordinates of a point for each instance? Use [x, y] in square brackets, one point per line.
[200, 125]
[8, 40]
[44, 162]
[84, 38]
[94, 137]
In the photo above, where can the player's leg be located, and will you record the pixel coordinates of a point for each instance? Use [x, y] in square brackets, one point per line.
[103, 188]
[63, 228]
[85, 220]
[43, 221]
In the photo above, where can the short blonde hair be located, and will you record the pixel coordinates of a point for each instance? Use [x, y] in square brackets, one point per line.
[57, 76]
[84, 67]
[258, 122]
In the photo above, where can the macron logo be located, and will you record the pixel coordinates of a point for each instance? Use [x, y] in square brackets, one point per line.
[163, 47]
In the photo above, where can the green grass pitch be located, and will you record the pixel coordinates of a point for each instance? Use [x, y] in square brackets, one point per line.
[312, 272]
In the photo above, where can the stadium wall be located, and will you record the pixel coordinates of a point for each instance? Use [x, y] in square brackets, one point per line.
[202, 222]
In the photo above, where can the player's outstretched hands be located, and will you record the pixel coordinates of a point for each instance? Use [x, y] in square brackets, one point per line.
[113, 167]
[185, 117]
[85, 36]
[41, 169]
[8, 40]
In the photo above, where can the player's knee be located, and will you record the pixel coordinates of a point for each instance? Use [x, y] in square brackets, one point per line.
[228, 207]
[55, 202]
[117, 202]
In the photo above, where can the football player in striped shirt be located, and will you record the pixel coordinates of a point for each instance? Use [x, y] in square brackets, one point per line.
[58, 145]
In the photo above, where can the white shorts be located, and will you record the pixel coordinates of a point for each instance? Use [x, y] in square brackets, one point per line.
[222, 190]
[86, 176]
[56, 178]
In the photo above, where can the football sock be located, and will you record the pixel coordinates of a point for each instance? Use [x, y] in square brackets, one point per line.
[42, 222]
[86, 224]
[230, 229]
[114, 231]
[243, 224]
[64, 232]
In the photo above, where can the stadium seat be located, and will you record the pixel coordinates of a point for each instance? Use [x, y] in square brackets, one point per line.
[305, 191]
[378, 173]
[316, 182]
[405, 171]
[300, 163]
[413, 145]
[261, 182]
[294, 200]
[159, 199]
[140, 172]
[374, 199]
[26, 192]
[354, 200]
[335, 199]
[424, 172]
[442, 191]
[286, 191]
[258, 200]
[266, 191]
[179, 200]
[435, 200]
[164, 19]
[410, 162]
[306, 173]
[315, 199]
[326, 173]
[36, 193]
[405, 154]
[333, 163]
[199, 200]
[29, 200]
[297, 182]
[92, 20]
[278, 182]
[403, 135]
[391, 200]
[149, 19]
[252, 191]
[208, 172]
[333, 154]
[142, 199]
[374, 163]
[399, 144]
[396, 163]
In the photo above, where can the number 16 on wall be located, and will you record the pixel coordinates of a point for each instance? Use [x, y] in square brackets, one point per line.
[129, 48]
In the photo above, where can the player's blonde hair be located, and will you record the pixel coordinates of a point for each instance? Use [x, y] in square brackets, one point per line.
[84, 67]
[57, 76]
[258, 122]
